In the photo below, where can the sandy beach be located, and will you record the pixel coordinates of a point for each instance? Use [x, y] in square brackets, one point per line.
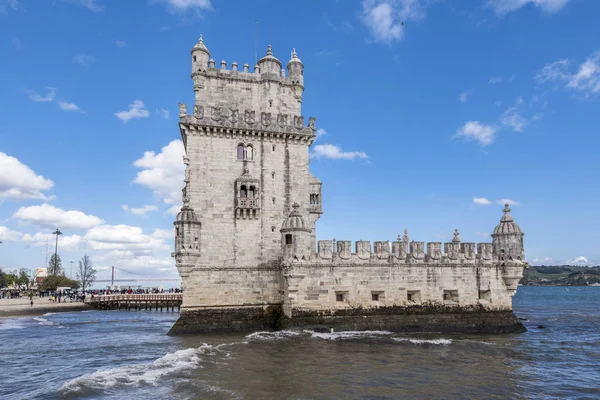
[21, 307]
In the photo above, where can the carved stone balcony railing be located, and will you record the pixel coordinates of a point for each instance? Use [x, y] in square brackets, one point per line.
[244, 202]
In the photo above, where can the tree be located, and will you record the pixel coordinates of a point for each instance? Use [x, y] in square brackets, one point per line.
[55, 266]
[53, 281]
[12, 280]
[24, 279]
[86, 274]
[2, 279]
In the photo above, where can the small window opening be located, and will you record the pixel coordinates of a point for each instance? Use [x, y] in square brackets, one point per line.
[375, 296]
[273, 147]
[177, 231]
[194, 58]
[273, 175]
[273, 200]
[272, 229]
[243, 192]
[339, 297]
[240, 152]
[413, 295]
[451, 295]
[251, 192]
[249, 153]
[485, 295]
[288, 239]
[270, 103]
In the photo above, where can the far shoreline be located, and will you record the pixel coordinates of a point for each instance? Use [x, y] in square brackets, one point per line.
[12, 308]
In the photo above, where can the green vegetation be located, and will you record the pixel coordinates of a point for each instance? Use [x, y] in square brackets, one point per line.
[52, 282]
[55, 265]
[560, 275]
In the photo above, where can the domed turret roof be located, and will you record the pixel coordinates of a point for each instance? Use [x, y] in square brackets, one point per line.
[507, 223]
[200, 46]
[294, 58]
[295, 221]
[269, 57]
[186, 214]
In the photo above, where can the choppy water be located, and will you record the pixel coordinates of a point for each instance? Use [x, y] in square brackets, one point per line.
[123, 355]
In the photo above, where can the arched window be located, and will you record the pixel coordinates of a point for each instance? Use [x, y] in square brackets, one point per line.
[240, 151]
[251, 192]
[243, 192]
[249, 152]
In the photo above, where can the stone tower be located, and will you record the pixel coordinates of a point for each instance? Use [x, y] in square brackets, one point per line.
[507, 238]
[247, 149]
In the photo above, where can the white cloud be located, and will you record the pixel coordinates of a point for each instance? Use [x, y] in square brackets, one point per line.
[5, 5]
[7, 234]
[476, 131]
[136, 110]
[335, 152]
[121, 44]
[123, 237]
[91, 5]
[481, 201]
[321, 132]
[464, 96]
[507, 201]
[581, 260]
[586, 80]
[174, 210]
[179, 6]
[494, 80]
[18, 181]
[65, 105]
[163, 113]
[163, 234]
[163, 172]
[35, 96]
[48, 216]
[513, 118]
[141, 210]
[65, 242]
[502, 7]
[85, 60]
[385, 18]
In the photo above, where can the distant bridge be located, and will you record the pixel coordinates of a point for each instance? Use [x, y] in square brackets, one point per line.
[112, 279]
[137, 301]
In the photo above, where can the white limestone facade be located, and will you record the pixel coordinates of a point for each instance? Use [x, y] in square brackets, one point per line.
[246, 234]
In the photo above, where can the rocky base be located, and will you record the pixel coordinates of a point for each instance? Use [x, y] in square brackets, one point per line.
[394, 319]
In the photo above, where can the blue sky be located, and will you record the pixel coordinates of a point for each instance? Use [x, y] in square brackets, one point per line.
[431, 114]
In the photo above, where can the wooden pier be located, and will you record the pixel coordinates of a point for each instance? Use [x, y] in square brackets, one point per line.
[137, 302]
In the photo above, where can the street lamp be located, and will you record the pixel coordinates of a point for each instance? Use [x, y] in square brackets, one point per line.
[57, 233]
[71, 277]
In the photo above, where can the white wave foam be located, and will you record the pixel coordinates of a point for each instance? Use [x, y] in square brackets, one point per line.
[266, 336]
[8, 324]
[135, 375]
[49, 313]
[424, 341]
[348, 335]
[43, 321]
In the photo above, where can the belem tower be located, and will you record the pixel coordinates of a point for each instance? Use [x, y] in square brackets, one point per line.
[245, 240]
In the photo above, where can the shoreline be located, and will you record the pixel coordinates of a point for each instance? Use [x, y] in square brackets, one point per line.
[12, 308]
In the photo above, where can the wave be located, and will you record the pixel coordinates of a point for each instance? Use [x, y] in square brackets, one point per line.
[267, 336]
[135, 375]
[49, 313]
[348, 335]
[8, 324]
[43, 321]
[424, 341]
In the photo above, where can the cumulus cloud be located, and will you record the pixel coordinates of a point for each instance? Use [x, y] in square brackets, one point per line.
[48, 216]
[385, 18]
[65, 105]
[85, 60]
[478, 132]
[586, 80]
[513, 117]
[65, 242]
[18, 181]
[335, 152]
[481, 201]
[502, 7]
[7, 234]
[123, 237]
[581, 260]
[163, 172]
[174, 210]
[35, 96]
[507, 201]
[181, 6]
[136, 110]
[140, 210]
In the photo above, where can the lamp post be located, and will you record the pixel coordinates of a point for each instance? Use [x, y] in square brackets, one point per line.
[71, 277]
[57, 232]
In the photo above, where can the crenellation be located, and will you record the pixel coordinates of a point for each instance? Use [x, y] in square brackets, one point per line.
[246, 240]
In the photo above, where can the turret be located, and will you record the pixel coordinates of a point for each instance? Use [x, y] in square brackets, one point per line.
[200, 56]
[296, 74]
[507, 238]
[296, 239]
[269, 64]
[187, 237]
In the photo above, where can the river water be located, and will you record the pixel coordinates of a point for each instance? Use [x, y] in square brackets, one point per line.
[126, 355]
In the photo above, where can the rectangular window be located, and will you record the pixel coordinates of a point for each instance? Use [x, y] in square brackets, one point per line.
[451, 295]
[288, 239]
[375, 296]
[413, 296]
[339, 297]
[485, 295]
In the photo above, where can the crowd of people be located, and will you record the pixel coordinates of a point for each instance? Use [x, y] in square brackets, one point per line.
[102, 292]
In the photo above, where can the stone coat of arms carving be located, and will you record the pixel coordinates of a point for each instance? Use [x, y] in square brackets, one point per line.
[417, 250]
[468, 249]
[434, 249]
[282, 120]
[363, 249]
[312, 123]
[216, 113]
[298, 122]
[400, 250]
[234, 115]
[452, 251]
[249, 117]
[199, 111]
[382, 249]
[325, 248]
[485, 251]
[344, 249]
[265, 118]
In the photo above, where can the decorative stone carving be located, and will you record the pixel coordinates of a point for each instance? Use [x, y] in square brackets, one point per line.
[282, 120]
[249, 117]
[325, 247]
[186, 161]
[434, 250]
[468, 249]
[216, 114]
[198, 111]
[400, 249]
[363, 249]
[312, 123]
[184, 195]
[234, 115]
[485, 251]
[452, 250]
[417, 251]
[344, 249]
[265, 118]
[182, 110]
[298, 122]
[382, 249]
